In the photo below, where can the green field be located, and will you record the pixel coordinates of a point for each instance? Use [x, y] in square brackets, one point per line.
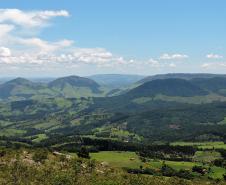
[217, 172]
[206, 156]
[11, 132]
[202, 145]
[131, 160]
[39, 138]
[118, 159]
[177, 165]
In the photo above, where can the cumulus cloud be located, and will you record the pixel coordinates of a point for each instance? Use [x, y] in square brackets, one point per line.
[14, 24]
[167, 56]
[43, 45]
[94, 56]
[5, 29]
[172, 65]
[29, 18]
[5, 52]
[153, 63]
[214, 56]
[21, 51]
[213, 65]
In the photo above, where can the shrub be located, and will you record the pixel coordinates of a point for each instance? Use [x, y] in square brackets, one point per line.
[185, 174]
[40, 155]
[83, 153]
[168, 171]
[199, 169]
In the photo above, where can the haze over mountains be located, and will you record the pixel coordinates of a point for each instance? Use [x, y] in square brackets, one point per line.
[182, 85]
[115, 81]
[166, 107]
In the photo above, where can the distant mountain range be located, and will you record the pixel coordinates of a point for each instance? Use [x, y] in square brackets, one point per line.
[185, 76]
[72, 86]
[172, 85]
[163, 107]
[168, 87]
[116, 81]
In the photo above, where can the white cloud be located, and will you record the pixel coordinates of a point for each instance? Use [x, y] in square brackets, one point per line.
[20, 51]
[213, 65]
[153, 63]
[86, 56]
[29, 18]
[214, 56]
[173, 56]
[92, 55]
[5, 29]
[172, 65]
[5, 52]
[42, 45]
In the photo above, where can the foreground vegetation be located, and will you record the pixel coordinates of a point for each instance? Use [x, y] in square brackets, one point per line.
[130, 160]
[27, 166]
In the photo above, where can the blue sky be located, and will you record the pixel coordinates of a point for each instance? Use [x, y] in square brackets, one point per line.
[116, 36]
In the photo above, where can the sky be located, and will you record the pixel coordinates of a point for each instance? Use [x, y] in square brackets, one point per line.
[83, 37]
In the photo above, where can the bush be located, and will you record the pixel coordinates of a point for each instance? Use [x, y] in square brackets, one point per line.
[83, 153]
[219, 162]
[224, 176]
[63, 179]
[40, 156]
[2, 153]
[185, 174]
[199, 169]
[168, 171]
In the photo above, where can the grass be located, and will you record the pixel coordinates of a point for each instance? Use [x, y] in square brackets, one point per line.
[118, 159]
[202, 145]
[177, 165]
[62, 102]
[47, 124]
[12, 132]
[217, 172]
[40, 137]
[223, 122]
[206, 156]
[113, 132]
[123, 159]
[142, 100]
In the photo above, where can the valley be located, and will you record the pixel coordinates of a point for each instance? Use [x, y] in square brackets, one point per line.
[172, 127]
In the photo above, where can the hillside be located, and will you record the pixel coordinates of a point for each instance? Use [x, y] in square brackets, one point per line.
[185, 76]
[75, 86]
[149, 111]
[169, 87]
[115, 81]
[72, 86]
[19, 87]
[165, 128]
[216, 84]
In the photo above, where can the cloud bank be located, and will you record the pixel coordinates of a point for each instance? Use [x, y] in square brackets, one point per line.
[29, 53]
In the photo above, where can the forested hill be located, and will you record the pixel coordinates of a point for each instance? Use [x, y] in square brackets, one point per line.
[169, 87]
[185, 76]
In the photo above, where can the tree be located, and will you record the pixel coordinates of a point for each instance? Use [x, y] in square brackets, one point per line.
[224, 176]
[2, 153]
[167, 170]
[83, 153]
[199, 169]
[185, 174]
[219, 162]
